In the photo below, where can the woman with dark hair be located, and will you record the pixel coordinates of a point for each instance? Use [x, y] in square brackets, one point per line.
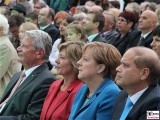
[63, 37]
[125, 25]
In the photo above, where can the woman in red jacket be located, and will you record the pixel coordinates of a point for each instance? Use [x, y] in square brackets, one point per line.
[57, 105]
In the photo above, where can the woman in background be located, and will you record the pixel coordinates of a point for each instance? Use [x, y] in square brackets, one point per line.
[25, 27]
[75, 31]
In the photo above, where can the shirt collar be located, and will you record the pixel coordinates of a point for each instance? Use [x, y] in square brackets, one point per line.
[136, 96]
[145, 35]
[30, 70]
[44, 27]
[91, 37]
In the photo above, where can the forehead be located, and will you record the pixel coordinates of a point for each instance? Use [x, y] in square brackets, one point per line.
[128, 56]
[145, 14]
[44, 11]
[90, 15]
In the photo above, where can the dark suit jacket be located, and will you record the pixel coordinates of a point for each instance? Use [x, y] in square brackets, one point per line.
[135, 37]
[53, 32]
[110, 36]
[99, 38]
[149, 100]
[27, 101]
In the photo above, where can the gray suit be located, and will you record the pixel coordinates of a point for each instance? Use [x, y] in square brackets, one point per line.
[26, 103]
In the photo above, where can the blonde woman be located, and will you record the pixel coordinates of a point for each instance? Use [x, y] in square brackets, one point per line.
[25, 27]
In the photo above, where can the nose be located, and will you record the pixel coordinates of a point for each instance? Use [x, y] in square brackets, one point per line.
[118, 68]
[152, 43]
[57, 61]
[79, 63]
[19, 48]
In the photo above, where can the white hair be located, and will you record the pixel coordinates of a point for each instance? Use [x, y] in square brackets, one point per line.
[4, 24]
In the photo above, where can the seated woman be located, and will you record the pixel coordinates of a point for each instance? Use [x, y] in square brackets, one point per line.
[97, 69]
[25, 27]
[61, 94]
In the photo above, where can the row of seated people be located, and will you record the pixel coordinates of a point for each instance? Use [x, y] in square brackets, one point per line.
[89, 89]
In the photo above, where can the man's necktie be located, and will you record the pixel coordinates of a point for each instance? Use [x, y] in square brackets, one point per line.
[141, 41]
[126, 110]
[14, 88]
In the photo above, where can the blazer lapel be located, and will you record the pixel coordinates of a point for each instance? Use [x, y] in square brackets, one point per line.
[29, 79]
[140, 101]
[10, 86]
[95, 95]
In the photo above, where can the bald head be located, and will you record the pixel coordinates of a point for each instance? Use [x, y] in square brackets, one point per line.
[148, 21]
[146, 58]
[96, 8]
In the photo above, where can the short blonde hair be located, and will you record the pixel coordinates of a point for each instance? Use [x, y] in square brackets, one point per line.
[78, 29]
[106, 54]
[29, 26]
[73, 51]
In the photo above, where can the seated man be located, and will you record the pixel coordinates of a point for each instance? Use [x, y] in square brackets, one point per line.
[8, 56]
[138, 75]
[24, 95]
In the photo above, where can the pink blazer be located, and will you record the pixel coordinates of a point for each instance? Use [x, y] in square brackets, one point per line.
[62, 105]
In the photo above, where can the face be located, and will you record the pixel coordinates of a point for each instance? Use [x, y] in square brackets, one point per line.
[58, 21]
[72, 35]
[145, 21]
[128, 75]
[15, 31]
[108, 23]
[25, 51]
[43, 17]
[21, 33]
[64, 66]
[87, 66]
[122, 25]
[89, 25]
[156, 44]
[63, 27]
[37, 8]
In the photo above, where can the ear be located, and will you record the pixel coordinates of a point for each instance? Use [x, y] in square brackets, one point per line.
[96, 24]
[40, 53]
[79, 35]
[130, 24]
[101, 68]
[144, 73]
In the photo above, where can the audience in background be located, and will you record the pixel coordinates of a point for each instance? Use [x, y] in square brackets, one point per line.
[14, 23]
[156, 40]
[76, 32]
[8, 56]
[25, 27]
[45, 19]
[63, 38]
[32, 17]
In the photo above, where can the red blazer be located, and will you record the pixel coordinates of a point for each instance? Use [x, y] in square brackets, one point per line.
[62, 105]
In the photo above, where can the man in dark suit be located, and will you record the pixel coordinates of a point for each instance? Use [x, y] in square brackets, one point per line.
[147, 22]
[109, 31]
[45, 22]
[93, 26]
[138, 75]
[25, 101]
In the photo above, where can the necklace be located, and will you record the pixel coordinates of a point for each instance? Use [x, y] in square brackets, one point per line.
[88, 96]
